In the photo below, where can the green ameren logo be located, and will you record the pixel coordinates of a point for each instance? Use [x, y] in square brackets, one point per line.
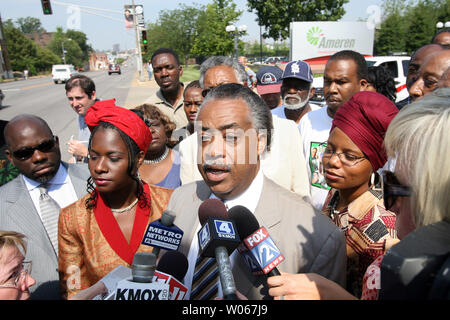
[316, 37]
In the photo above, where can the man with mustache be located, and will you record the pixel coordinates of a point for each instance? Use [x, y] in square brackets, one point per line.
[345, 74]
[34, 151]
[234, 132]
[284, 163]
[296, 90]
[169, 98]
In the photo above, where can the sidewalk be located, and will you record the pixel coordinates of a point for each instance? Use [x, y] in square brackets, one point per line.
[140, 91]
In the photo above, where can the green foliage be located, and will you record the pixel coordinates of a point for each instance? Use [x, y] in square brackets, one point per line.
[408, 26]
[74, 54]
[175, 29]
[276, 15]
[29, 25]
[212, 38]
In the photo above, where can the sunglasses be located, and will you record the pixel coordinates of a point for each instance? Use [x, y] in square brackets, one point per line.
[392, 189]
[27, 152]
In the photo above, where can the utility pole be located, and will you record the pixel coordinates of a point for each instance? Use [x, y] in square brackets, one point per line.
[138, 45]
[4, 56]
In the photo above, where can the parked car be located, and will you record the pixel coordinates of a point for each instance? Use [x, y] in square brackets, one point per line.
[398, 67]
[62, 72]
[114, 68]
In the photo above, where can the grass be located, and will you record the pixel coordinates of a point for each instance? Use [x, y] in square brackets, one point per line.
[190, 73]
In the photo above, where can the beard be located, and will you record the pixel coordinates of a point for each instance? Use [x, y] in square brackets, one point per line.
[294, 106]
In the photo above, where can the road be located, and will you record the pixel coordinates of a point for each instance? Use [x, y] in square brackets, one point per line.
[44, 98]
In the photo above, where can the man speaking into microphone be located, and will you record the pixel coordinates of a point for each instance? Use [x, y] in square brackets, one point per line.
[235, 131]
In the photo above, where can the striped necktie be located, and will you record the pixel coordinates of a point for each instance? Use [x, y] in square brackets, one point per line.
[205, 283]
[49, 214]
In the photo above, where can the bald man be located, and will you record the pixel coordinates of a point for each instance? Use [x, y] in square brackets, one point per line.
[413, 69]
[34, 151]
[430, 74]
[444, 82]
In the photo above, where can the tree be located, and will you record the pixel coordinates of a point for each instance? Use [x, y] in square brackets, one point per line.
[29, 25]
[81, 39]
[74, 54]
[212, 38]
[175, 29]
[276, 15]
[421, 26]
[391, 35]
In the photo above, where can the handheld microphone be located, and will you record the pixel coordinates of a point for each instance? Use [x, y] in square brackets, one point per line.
[172, 268]
[163, 234]
[257, 248]
[218, 238]
[141, 286]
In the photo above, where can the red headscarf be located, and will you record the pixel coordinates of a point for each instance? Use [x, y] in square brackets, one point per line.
[127, 121]
[365, 119]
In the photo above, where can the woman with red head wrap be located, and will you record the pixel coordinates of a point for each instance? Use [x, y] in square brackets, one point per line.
[353, 153]
[104, 229]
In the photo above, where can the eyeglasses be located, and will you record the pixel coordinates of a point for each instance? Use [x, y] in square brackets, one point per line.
[346, 158]
[27, 152]
[392, 189]
[17, 277]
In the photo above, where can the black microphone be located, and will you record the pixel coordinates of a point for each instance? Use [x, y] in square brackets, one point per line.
[171, 269]
[257, 248]
[163, 234]
[218, 239]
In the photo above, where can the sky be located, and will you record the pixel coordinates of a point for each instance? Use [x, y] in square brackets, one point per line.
[105, 27]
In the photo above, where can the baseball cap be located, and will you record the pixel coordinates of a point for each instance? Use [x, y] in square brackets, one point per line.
[298, 69]
[268, 80]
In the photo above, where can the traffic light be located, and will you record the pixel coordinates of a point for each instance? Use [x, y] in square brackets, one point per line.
[46, 6]
[144, 39]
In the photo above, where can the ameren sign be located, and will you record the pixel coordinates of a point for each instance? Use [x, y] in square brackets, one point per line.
[315, 39]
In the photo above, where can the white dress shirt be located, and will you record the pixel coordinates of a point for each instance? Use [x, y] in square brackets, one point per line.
[61, 189]
[248, 199]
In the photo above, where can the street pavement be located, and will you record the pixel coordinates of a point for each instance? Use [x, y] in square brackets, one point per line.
[41, 97]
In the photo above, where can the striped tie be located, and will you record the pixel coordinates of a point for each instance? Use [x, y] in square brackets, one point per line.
[49, 214]
[205, 283]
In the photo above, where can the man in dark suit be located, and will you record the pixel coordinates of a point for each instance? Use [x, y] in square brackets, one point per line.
[235, 131]
[34, 151]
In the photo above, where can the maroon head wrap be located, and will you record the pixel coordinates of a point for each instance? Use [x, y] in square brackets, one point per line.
[364, 119]
[127, 121]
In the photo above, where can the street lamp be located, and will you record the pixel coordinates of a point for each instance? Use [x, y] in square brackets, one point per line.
[63, 50]
[236, 32]
[440, 24]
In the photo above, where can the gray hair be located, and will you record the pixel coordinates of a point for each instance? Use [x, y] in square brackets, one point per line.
[260, 113]
[215, 61]
[419, 139]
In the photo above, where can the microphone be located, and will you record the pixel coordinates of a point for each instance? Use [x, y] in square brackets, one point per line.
[141, 286]
[163, 234]
[172, 268]
[217, 239]
[257, 248]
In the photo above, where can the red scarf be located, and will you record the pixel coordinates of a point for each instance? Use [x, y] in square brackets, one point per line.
[111, 230]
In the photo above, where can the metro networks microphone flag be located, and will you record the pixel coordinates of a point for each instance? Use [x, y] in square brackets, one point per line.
[163, 237]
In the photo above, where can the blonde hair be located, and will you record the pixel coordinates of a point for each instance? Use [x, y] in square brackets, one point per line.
[419, 138]
[12, 238]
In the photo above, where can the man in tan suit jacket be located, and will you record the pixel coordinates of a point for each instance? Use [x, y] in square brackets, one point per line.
[284, 163]
[309, 241]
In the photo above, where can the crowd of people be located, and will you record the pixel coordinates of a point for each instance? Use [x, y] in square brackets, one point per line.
[340, 188]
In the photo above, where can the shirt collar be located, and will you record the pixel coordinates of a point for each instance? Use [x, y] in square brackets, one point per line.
[60, 178]
[250, 197]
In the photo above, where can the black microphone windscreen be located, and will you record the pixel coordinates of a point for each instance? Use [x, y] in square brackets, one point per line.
[245, 221]
[174, 263]
[211, 208]
[167, 218]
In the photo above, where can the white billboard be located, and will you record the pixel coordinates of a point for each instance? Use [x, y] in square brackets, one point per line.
[313, 39]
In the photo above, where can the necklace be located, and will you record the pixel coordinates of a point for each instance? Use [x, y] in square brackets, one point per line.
[125, 209]
[159, 159]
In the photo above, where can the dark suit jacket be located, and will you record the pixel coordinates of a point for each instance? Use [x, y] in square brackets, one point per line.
[309, 241]
[18, 213]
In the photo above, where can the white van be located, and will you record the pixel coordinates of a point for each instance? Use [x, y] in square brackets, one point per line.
[398, 67]
[62, 72]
